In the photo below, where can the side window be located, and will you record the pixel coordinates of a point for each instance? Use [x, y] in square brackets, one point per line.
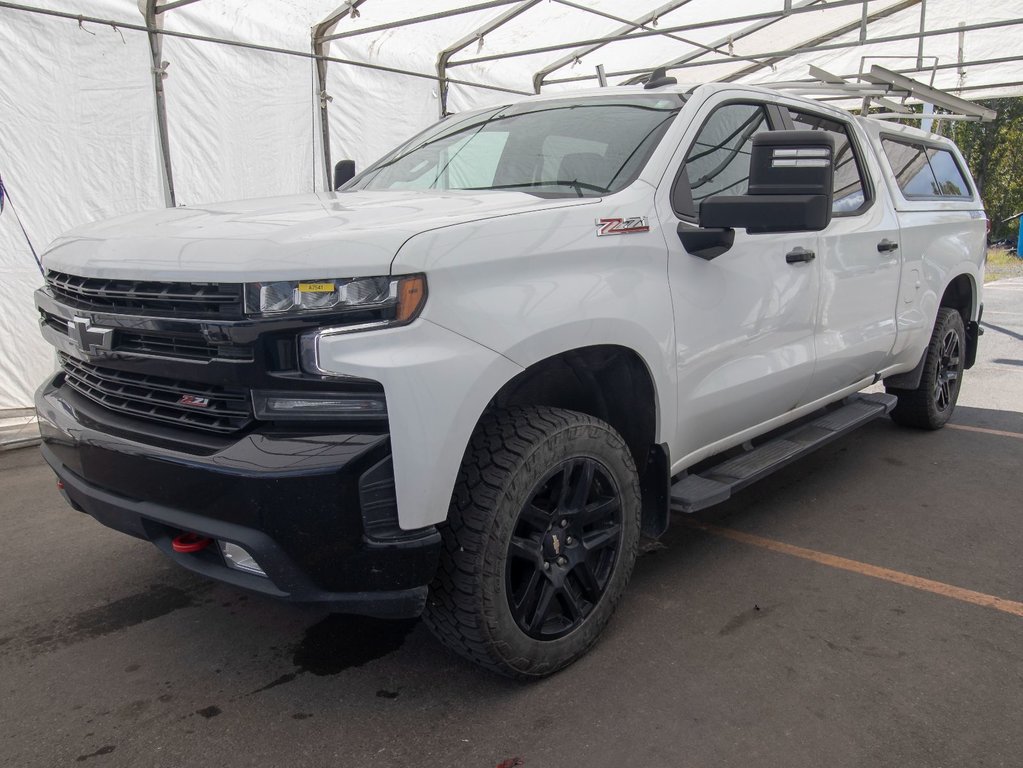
[947, 173]
[718, 162]
[849, 188]
[911, 169]
[925, 172]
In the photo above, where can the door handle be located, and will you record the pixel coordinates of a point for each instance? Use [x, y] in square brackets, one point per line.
[798, 254]
[887, 246]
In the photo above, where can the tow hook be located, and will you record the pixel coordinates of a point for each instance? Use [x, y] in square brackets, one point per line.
[190, 542]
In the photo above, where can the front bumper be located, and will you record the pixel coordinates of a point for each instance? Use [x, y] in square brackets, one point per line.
[316, 511]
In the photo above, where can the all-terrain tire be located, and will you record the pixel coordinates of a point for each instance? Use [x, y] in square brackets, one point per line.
[510, 468]
[931, 404]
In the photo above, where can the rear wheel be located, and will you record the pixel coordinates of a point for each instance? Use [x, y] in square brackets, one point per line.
[540, 542]
[931, 404]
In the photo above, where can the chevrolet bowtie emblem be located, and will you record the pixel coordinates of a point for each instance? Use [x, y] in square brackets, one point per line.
[88, 337]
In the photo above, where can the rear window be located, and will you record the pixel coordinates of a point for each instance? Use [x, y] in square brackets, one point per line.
[924, 172]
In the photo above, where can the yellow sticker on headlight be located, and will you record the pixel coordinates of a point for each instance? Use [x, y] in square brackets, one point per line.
[315, 287]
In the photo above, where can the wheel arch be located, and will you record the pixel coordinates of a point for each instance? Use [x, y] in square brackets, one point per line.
[961, 294]
[614, 384]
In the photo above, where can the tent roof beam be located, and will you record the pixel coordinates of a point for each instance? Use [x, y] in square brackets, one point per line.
[667, 30]
[831, 35]
[728, 39]
[421, 19]
[478, 34]
[627, 26]
[817, 48]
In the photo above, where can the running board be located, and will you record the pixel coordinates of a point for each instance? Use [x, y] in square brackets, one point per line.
[695, 492]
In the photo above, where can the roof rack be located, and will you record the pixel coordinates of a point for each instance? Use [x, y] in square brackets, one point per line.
[882, 87]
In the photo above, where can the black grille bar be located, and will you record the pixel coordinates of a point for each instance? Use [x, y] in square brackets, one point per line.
[146, 297]
[183, 346]
[186, 404]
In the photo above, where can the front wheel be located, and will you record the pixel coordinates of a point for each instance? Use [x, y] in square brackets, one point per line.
[931, 404]
[540, 541]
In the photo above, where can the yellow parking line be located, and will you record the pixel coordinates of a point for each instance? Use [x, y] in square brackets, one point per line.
[984, 430]
[885, 574]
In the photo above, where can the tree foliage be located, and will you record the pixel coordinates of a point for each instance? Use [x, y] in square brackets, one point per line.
[994, 152]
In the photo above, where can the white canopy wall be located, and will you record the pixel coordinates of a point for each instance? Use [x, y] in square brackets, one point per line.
[79, 137]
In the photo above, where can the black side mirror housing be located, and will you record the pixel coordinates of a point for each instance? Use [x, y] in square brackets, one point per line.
[790, 186]
[344, 171]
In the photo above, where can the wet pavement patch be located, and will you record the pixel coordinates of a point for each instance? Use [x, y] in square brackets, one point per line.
[279, 681]
[340, 642]
[106, 750]
[156, 601]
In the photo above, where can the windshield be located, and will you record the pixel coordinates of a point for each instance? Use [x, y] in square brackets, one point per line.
[583, 148]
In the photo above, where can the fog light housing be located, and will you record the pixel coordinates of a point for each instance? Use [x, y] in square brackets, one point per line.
[239, 558]
[292, 406]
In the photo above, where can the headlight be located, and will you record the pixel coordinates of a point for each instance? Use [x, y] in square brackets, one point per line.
[393, 300]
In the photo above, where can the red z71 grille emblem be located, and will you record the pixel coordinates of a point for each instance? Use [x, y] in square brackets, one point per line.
[619, 226]
[194, 400]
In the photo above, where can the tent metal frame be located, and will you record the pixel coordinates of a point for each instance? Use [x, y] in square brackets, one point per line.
[886, 83]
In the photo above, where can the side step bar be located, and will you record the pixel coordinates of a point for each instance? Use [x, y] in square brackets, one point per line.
[695, 492]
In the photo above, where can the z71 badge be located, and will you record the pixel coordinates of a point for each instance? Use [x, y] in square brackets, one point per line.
[627, 226]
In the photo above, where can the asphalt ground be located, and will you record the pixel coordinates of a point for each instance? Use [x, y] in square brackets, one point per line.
[863, 607]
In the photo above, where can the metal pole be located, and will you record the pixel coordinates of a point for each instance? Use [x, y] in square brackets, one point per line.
[319, 49]
[159, 72]
[807, 49]
[920, 42]
[601, 77]
[627, 27]
[638, 34]
[478, 34]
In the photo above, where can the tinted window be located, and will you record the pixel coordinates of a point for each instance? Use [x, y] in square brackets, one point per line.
[946, 171]
[923, 172]
[582, 148]
[718, 162]
[848, 185]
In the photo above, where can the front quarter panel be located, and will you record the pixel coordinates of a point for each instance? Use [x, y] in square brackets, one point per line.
[534, 285]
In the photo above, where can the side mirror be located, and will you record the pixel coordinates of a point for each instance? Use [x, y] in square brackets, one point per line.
[790, 186]
[344, 171]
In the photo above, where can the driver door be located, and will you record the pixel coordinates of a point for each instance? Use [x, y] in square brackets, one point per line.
[744, 319]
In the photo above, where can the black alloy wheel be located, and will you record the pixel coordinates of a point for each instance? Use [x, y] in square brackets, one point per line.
[540, 541]
[932, 403]
[946, 383]
[563, 549]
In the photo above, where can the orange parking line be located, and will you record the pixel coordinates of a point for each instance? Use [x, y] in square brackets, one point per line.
[984, 430]
[885, 574]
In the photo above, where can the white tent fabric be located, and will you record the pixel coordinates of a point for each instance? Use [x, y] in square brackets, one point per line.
[79, 138]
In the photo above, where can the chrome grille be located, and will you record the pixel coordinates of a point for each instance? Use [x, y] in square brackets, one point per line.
[147, 297]
[159, 399]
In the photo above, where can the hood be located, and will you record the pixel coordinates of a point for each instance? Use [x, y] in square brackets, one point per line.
[331, 234]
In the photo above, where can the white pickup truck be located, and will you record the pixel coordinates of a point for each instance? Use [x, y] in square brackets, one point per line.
[467, 382]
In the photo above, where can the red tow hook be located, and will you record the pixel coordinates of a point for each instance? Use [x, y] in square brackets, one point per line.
[190, 542]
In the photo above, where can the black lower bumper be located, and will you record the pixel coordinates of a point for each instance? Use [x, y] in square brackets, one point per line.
[296, 502]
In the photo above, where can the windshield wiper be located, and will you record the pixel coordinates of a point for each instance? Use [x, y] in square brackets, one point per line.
[577, 185]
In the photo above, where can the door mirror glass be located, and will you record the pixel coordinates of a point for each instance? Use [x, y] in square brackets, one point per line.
[344, 171]
[790, 186]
